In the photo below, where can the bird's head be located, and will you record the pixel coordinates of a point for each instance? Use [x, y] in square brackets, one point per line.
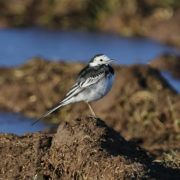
[100, 59]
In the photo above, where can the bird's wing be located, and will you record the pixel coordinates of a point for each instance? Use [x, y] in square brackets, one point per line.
[76, 86]
[81, 86]
[90, 75]
[91, 80]
[73, 92]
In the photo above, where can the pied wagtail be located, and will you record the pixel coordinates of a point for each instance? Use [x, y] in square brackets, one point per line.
[92, 83]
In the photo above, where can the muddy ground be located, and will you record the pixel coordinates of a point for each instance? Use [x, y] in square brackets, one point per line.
[142, 108]
[81, 149]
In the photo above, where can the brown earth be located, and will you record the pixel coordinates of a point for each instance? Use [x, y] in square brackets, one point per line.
[81, 149]
[166, 30]
[141, 105]
[169, 63]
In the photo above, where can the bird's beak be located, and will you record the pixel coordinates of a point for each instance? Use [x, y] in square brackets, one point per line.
[112, 60]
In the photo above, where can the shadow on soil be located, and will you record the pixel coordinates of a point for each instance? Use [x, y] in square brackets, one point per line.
[116, 145]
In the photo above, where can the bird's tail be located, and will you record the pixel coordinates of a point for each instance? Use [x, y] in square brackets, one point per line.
[49, 112]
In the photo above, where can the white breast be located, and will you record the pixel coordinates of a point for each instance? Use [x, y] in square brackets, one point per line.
[100, 89]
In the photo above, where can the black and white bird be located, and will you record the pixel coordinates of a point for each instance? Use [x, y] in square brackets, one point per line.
[92, 83]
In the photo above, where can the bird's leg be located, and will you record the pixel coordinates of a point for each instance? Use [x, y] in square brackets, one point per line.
[93, 113]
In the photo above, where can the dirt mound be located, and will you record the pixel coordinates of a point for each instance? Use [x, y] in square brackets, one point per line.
[81, 149]
[95, 151]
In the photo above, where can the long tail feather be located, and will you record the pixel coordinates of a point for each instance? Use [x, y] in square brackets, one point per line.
[47, 113]
[67, 100]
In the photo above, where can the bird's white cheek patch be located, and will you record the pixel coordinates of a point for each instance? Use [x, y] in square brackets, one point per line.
[92, 64]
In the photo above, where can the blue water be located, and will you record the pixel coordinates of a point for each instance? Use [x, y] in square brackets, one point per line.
[18, 124]
[175, 83]
[18, 45]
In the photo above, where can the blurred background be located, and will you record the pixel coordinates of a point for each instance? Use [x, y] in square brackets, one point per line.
[76, 30]
[134, 32]
[45, 43]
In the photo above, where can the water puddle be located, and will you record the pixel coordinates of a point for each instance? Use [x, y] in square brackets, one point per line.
[18, 124]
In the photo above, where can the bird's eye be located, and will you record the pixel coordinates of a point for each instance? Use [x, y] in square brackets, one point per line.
[101, 60]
